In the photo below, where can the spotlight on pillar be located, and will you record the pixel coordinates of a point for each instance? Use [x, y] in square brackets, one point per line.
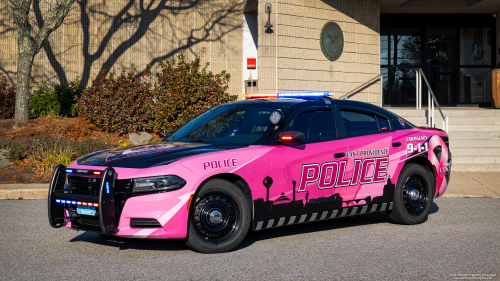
[268, 23]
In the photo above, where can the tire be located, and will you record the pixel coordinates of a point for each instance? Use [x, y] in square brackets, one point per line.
[413, 196]
[219, 218]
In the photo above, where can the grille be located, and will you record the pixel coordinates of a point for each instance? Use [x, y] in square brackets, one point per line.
[90, 186]
[84, 186]
[88, 221]
[144, 223]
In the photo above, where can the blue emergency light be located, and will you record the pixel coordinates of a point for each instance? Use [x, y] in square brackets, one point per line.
[69, 171]
[304, 94]
[290, 95]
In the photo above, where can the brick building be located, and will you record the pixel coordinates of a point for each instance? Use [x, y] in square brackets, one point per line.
[454, 42]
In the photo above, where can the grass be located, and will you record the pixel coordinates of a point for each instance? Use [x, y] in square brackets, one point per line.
[45, 153]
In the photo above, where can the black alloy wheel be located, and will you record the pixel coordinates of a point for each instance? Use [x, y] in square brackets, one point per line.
[219, 217]
[216, 217]
[413, 196]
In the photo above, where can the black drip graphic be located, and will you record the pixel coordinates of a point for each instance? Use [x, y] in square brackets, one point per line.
[284, 206]
[268, 181]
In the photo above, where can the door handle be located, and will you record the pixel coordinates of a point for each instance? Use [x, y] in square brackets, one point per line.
[396, 144]
[339, 155]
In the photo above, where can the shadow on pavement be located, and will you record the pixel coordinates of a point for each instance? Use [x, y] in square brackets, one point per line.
[132, 243]
[252, 237]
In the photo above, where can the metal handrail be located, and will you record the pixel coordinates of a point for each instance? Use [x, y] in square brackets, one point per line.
[430, 115]
[366, 84]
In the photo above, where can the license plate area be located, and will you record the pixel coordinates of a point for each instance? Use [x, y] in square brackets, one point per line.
[85, 210]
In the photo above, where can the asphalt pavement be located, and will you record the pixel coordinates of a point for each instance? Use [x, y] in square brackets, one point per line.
[461, 239]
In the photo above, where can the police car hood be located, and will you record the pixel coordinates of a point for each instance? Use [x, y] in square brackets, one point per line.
[150, 155]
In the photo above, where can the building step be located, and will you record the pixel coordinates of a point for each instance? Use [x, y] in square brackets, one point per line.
[475, 159]
[473, 135]
[456, 121]
[458, 113]
[475, 168]
[476, 151]
[467, 143]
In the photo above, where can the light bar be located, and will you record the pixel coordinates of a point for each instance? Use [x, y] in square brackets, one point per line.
[304, 94]
[69, 171]
[284, 95]
[90, 204]
[96, 173]
[260, 96]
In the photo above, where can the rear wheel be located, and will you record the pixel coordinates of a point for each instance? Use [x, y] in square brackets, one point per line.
[413, 196]
[219, 219]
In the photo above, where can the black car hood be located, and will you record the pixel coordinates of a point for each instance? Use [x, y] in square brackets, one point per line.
[150, 155]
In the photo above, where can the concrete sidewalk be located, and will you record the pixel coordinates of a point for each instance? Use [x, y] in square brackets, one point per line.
[462, 185]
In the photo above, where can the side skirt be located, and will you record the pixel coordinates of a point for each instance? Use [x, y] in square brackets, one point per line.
[326, 215]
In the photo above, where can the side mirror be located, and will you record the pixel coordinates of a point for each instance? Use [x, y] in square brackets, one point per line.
[292, 137]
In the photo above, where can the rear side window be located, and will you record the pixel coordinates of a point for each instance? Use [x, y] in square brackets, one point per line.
[317, 126]
[383, 124]
[358, 123]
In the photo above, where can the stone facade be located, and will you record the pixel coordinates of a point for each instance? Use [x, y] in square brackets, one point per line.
[290, 58]
[114, 34]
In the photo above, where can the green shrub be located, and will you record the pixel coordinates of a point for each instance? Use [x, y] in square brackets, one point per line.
[184, 90]
[7, 98]
[45, 153]
[55, 101]
[132, 103]
[118, 104]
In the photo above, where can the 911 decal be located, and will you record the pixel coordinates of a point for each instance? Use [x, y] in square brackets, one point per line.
[417, 144]
[332, 174]
[410, 148]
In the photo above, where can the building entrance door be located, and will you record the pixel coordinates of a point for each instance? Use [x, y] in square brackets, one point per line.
[456, 56]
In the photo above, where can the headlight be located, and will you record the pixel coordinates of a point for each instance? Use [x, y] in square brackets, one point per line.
[157, 184]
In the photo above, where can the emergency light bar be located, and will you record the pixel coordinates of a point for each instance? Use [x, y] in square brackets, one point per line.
[73, 202]
[81, 171]
[289, 95]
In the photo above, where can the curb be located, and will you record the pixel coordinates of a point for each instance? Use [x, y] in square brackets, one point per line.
[18, 194]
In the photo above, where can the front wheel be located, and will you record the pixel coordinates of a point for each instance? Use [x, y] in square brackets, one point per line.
[413, 196]
[219, 219]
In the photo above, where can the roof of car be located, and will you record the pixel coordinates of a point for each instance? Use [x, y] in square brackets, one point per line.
[297, 102]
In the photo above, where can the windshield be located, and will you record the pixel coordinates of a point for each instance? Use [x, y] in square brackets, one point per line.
[238, 123]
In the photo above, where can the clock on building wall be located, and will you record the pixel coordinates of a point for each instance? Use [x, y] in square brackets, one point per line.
[332, 40]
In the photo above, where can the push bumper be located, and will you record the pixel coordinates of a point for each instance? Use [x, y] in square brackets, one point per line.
[58, 212]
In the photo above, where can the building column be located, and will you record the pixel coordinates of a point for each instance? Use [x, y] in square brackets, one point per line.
[497, 51]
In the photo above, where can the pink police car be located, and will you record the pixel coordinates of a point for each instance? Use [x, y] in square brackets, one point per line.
[256, 164]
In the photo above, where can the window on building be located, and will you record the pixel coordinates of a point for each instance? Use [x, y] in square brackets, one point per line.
[455, 52]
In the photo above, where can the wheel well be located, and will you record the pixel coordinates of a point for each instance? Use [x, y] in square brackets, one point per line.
[236, 180]
[424, 162]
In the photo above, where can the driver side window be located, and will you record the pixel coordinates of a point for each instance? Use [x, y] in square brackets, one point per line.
[317, 126]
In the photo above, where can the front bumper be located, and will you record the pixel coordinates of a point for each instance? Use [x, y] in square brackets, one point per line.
[116, 217]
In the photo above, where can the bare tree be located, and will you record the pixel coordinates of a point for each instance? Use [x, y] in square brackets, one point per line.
[28, 46]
